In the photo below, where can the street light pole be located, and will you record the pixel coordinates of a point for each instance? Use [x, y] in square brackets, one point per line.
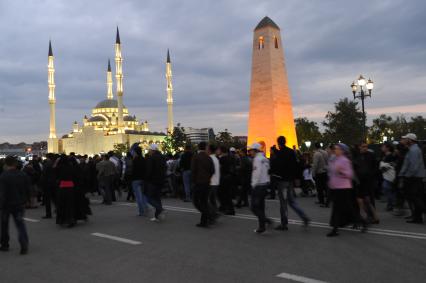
[359, 92]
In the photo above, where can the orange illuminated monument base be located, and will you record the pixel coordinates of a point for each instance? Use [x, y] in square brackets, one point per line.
[271, 113]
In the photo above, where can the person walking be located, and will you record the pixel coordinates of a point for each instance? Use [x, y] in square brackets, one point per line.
[116, 183]
[14, 191]
[202, 169]
[138, 174]
[340, 175]
[155, 180]
[185, 168]
[227, 180]
[215, 179]
[66, 172]
[365, 167]
[319, 173]
[259, 182]
[387, 167]
[412, 173]
[128, 176]
[285, 166]
[400, 195]
[48, 182]
[106, 176]
[244, 176]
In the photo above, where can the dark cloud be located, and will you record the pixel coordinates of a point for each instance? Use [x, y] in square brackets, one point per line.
[327, 44]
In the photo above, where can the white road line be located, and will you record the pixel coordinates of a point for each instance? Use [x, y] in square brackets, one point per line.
[31, 220]
[376, 231]
[298, 278]
[118, 239]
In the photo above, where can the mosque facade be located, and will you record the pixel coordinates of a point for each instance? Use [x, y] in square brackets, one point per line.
[110, 122]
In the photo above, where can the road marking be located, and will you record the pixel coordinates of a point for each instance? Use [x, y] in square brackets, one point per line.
[298, 278]
[118, 239]
[375, 231]
[31, 220]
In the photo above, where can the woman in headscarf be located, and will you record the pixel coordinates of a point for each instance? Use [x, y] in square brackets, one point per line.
[341, 189]
[66, 173]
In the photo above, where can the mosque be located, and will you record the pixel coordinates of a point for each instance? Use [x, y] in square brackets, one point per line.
[110, 122]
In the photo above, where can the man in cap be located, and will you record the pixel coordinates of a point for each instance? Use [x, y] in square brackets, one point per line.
[412, 173]
[156, 167]
[259, 182]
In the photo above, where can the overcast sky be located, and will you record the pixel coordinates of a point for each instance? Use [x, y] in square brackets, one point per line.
[327, 45]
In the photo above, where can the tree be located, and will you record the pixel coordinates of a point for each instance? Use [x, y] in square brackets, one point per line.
[121, 148]
[176, 142]
[381, 127]
[224, 138]
[168, 145]
[417, 126]
[400, 127]
[345, 124]
[307, 130]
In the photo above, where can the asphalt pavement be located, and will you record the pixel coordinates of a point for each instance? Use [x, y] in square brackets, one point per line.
[116, 245]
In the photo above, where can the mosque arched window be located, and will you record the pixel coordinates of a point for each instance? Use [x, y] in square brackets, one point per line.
[261, 42]
[276, 42]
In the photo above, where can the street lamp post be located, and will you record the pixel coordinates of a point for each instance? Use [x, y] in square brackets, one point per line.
[361, 90]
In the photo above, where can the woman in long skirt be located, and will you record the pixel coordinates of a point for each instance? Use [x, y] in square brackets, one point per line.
[67, 180]
[342, 194]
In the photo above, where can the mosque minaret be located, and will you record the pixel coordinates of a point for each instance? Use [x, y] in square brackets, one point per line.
[170, 125]
[53, 140]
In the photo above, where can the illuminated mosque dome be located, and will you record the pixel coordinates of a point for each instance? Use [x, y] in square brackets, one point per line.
[107, 103]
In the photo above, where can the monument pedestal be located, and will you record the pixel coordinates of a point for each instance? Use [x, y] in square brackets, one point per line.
[53, 145]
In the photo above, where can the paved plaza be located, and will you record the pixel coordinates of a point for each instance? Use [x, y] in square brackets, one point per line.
[115, 245]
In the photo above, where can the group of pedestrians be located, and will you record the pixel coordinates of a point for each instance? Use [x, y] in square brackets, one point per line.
[357, 178]
[218, 180]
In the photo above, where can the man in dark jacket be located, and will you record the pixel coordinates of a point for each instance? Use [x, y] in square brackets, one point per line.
[48, 181]
[202, 169]
[244, 176]
[14, 191]
[185, 168]
[138, 177]
[156, 168]
[227, 181]
[284, 168]
[366, 169]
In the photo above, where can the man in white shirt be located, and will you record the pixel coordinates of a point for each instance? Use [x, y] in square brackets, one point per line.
[259, 183]
[215, 179]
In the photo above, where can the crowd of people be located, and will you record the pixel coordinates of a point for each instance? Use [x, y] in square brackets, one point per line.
[219, 180]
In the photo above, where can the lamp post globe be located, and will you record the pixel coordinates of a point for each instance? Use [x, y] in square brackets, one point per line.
[308, 144]
[359, 92]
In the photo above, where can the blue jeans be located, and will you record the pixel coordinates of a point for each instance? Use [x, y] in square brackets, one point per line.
[285, 195]
[387, 187]
[137, 187]
[186, 176]
[258, 195]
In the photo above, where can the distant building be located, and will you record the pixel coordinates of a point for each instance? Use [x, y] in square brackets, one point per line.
[23, 149]
[196, 136]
